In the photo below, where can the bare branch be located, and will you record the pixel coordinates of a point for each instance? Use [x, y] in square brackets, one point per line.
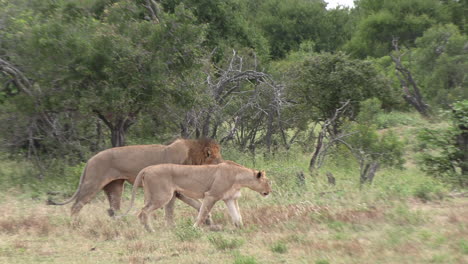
[153, 8]
[406, 79]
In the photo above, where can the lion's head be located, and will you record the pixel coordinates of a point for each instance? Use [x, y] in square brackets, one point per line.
[204, 151]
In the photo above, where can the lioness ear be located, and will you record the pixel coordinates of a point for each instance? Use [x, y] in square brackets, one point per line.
[259, 175]
[207, 152]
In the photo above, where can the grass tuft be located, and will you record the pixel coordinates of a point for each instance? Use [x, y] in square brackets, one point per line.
[322, 261]
[222, 243]
[241, 259]
[279, 247]
[463, 245]
[185, 231]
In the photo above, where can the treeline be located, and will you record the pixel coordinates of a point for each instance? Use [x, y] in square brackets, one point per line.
[81, 76]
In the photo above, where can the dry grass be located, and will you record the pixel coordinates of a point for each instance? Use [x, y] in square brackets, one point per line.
[409, 232]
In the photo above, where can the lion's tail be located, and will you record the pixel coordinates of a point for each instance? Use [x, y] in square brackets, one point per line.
[136, 184]
[50, 202]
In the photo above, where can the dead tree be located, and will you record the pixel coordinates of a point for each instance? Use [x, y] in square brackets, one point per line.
[223, 86]
[411, 92]
[319, 146]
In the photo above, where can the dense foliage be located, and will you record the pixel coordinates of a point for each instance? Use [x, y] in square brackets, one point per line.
[81, 76]
[446, 149]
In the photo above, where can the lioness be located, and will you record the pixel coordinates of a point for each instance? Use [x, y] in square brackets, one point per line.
[208, 182]
[109, 169]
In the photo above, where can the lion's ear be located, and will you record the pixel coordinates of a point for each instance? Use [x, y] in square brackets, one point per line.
[207, 152]
[259, 175]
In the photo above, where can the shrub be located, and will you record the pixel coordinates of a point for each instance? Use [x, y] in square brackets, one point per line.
[428, 191]
[445, 150]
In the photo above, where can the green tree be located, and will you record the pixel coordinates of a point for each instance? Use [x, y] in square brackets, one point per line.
[288, 23]
[441, 64]
[321, 82]
[381, 21]
[228, 25]
[112, 67]
[445, 150]
[371, 149]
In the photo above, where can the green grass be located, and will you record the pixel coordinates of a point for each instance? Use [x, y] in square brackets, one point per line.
[405, 216]
[241, 259]
[279, 247]
[222, 243]
[395, 119]
[463, 244]
[184, 231]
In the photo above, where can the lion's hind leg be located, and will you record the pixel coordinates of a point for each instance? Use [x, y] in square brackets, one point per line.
[169, 211]
[113, 192]
[144, 218]
[153, 202]
[86, 194]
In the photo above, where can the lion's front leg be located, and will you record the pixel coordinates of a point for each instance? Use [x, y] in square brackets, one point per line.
[207, 205]
[195, 204]
[234, 212]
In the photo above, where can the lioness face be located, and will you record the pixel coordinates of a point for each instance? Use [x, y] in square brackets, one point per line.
[263, 185]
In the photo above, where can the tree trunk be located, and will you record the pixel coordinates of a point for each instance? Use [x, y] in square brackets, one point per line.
[206, 125]
[184, 130]
[331, 179]
[269, 132]
[120, 128]
[96, 145]
[118, 136]
[318, 148]
[367, 175]
[413, 96]
[462, 142]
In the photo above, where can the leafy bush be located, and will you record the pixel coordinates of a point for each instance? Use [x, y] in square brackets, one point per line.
[393, 119]
[428, 191]
[445, 150]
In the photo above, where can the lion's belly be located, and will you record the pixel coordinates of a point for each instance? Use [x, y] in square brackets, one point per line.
[191, 194]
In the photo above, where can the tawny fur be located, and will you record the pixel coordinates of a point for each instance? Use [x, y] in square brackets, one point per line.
[109, 169]
[208, 182]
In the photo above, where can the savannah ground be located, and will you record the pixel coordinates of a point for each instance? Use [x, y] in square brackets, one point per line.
[405, 216]
[339, 227]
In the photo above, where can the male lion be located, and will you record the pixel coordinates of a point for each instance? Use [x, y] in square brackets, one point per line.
[109, 169]
[208, 182]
